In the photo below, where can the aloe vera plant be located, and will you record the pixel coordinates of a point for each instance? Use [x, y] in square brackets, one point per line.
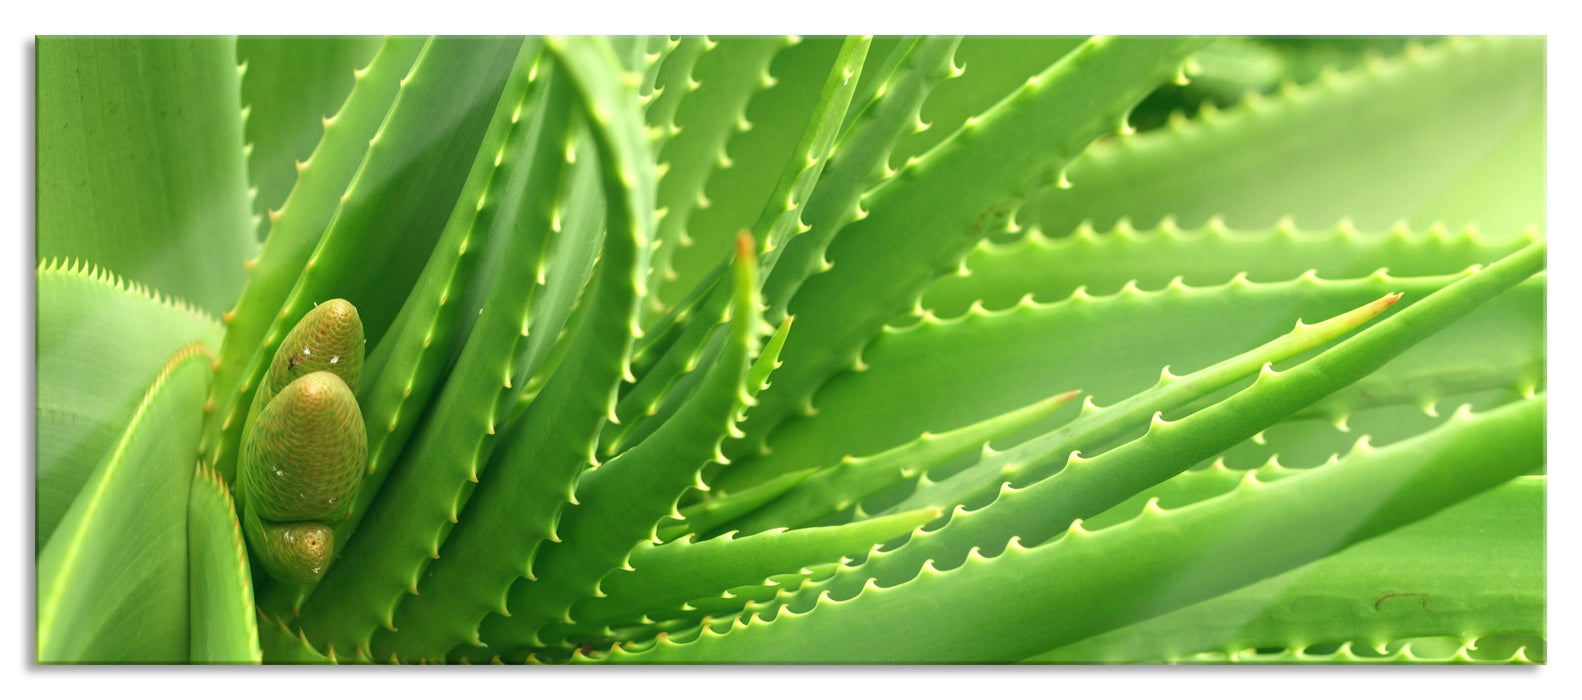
[768, 350]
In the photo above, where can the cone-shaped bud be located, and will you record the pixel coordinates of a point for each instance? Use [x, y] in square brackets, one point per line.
[328, 339]
[306, 453]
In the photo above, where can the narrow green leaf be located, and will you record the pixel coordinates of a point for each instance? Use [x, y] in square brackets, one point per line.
[282, 646]
[705, 516]
[859, 160]
[983, 71]
[1098, 427]
[708, 107]
[432, 479]
[295, 231]
[1087, 486]
[926, 217]
[844, 485]
[620, 503]
[776, 224]
[224, 630]
[1002, 606]
[671, 574]
[999, 275]
[480, 562]
[292, 86]
[1115, 346]
[390, 215]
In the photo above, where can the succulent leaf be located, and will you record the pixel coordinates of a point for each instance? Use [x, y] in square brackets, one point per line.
[619, 504]
[298, 226]
[220, 582]
[548, 340]
[1377, 591]
[432, 479]
[112, 580]
[1181, 556]
[144, 172]
[100, 341]
[671, 574]
[1385, 141]
[383, 231]
[922, 220]
[292, 90]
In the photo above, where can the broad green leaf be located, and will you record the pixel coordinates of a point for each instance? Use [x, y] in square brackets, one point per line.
[100, 342]
[984, 70]
[140, 162]
[1472, 569]
[1450, 134]
[112, 582]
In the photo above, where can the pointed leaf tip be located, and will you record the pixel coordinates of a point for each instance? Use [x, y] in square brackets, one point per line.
[745, 247]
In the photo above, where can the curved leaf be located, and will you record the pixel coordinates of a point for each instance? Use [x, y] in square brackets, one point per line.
[112, 582]
[100, 342]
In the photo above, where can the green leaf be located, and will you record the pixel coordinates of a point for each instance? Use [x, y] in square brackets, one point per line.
[290, 87]
[530, 480]
[1450, 134]
[112, 582]
[1105, 345]
[389, 216]
[140, 162]
[224, 630]
[998, 275]
[295, 231]
[668, 575]
[705, 105]
[705, 516]
[100, 342]
[432, 480]
[926, 217]
[984, 70]
[776, 224]
[1095, 581]
[1087, 486]
[1472, 569]
[283, 646]
[1098, 427]
[867, 138]
[619, 504]
[841, 486]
